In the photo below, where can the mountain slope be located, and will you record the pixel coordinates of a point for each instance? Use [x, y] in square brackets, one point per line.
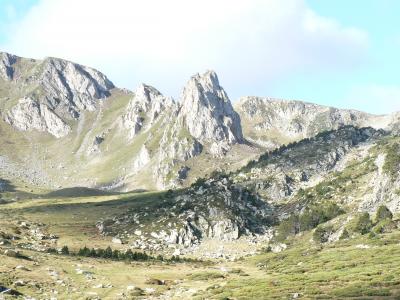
[274, 122]
[72, 127]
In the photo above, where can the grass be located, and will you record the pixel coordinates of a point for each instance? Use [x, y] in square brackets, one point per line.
[335, 271]
[331, 270]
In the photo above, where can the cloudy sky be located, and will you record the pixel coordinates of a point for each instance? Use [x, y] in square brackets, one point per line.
[340, 53]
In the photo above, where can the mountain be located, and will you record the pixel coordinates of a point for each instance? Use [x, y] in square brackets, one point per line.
[274, 122]
[197, 197]
[73, 127]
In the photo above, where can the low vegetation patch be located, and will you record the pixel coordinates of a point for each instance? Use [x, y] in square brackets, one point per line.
[309, 219]
[128, 255]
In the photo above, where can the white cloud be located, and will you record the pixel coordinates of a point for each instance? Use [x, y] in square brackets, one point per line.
[163, 42]
[374, 98]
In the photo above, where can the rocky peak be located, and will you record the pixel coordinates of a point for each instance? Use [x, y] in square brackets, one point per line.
[146, 105]
[282, 121]
[61, 90]
[6, 68]
[208, 113]
[78, 87]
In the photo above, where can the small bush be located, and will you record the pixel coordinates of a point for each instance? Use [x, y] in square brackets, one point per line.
[383, 226]
[321, 233]
[309, 219]
[65, 250]
[345, 235]
[363, 223]
[383, 213]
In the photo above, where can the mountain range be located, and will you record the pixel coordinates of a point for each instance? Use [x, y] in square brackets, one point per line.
[107, 193]
[65, 125]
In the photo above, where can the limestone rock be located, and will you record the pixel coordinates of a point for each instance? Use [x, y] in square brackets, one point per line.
[6, 62]
[145, 107]
[73, 86]
[56, 90]
[30, 114]
[279, 121]
[208, 113]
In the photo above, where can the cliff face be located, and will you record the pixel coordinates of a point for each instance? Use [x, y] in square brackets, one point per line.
[208, 113]
[273, 122]
[51, 92]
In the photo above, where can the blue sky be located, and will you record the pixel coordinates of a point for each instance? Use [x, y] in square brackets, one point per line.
[338, 53]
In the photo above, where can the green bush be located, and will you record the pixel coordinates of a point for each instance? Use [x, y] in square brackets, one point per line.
[384, 226]
[383, 213]
[345, 235]
[321, 233]
[65, 250]
[392, 160]
[363, 223]
[309, 219]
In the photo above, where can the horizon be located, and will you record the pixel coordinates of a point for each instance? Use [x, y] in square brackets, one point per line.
[352, 61]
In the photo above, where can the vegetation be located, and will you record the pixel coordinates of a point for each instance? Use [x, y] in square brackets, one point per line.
[392, 160]
[128, 255]
[383, 213]
[65, 250]
[321, 233]
[363, 223]
[309, 219]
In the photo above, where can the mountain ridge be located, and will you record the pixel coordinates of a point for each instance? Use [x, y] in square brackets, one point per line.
[119, 135]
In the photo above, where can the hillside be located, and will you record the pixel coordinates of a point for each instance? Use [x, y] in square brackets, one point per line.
[111, 194]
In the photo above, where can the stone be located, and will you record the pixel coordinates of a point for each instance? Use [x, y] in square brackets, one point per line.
[19, 282]
[11, 253]
[117, 240]
[30, 114]
[208, 113]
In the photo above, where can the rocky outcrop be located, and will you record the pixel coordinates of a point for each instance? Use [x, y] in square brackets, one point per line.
[6, 65]
[208, 114]
[141, 160]
[283, 121]
[280, 173]
[30, 114]
[71, 88]
[57, 90]
[145, 108]
[214, 209]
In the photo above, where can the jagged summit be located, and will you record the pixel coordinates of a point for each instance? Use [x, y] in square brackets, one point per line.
[50, 92]
[208, 113]
[273, 122]
[147, 103]
[6, 62]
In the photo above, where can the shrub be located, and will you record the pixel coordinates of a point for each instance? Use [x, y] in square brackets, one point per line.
[386, 225]
[363, 223]
[345, 235]
[309, 219]
[287, 227]
[383, 213]
[65, 250]
[321, 233]
[392, 160]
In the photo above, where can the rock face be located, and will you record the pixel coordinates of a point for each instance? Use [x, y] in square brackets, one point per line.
[203, 119]
[214, 209]
[72, 86]
[30, 114]
[145, 108]
[208, 113]
[272, 122]
[54, 91]
[6, 65]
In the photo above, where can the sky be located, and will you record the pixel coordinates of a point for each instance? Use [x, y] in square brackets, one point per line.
[338, 53]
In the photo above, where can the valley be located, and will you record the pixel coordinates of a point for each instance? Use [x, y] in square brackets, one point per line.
[107, 193]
